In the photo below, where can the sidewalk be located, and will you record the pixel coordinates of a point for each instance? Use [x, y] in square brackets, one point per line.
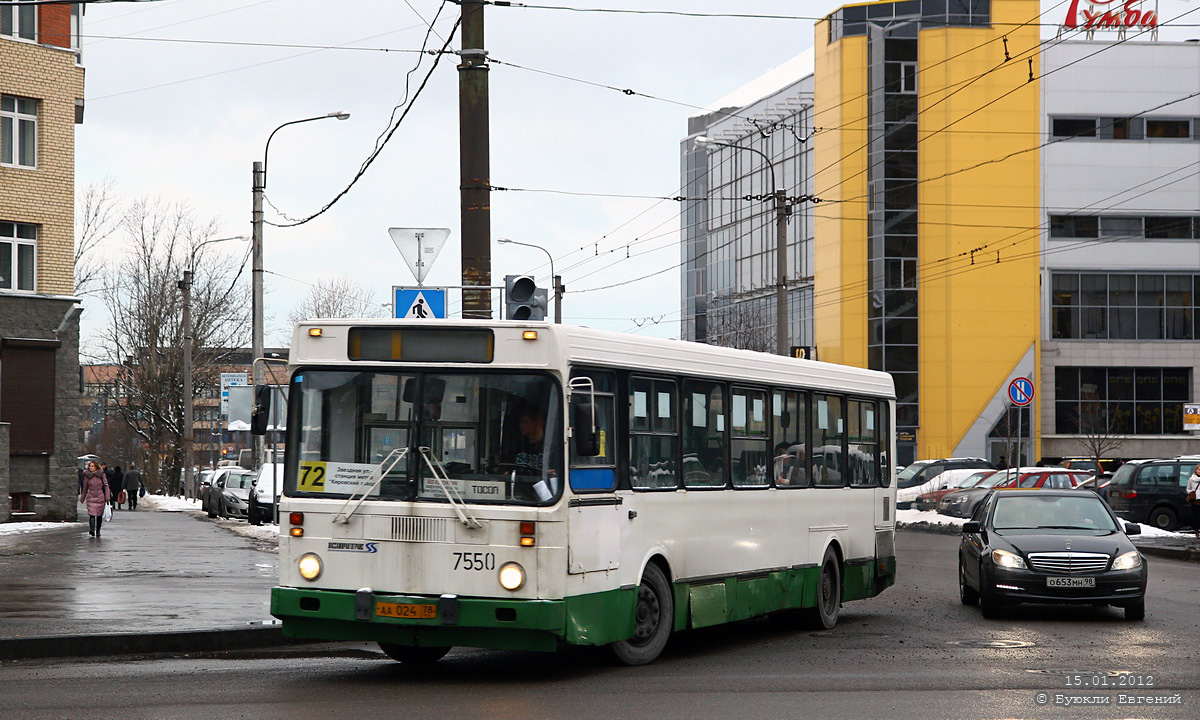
[154, 582]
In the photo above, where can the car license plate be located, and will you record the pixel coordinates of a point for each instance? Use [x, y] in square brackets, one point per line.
[406, 610]
[1071, 582]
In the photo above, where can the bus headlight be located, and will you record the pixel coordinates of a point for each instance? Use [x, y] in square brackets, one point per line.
[512, 576]
[310, 566]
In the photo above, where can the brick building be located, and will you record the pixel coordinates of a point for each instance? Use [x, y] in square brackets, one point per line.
[41, 101]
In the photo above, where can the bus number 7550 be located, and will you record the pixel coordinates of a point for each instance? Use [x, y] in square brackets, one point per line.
[474, 561]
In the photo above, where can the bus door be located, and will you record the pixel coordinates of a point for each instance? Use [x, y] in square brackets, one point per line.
[594, 511]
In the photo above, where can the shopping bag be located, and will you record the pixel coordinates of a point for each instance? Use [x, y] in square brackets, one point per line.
[107, 512]
[122, 498]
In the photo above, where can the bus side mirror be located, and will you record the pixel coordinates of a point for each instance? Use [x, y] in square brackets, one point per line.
[587, 441]
[260, 417]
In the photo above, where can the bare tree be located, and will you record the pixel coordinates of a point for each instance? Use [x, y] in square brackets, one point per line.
[97, 217]
[1101, 431]
[145, 335]
[744, 325]
[338, 297]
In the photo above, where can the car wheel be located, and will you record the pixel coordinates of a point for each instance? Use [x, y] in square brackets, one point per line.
[211, 512]
[966, 594]
[410, 655]
[1137, 611]
[989, 603]
[653, 618]
[1163, 518]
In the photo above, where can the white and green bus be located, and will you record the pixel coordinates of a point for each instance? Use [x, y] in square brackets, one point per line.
[523, 485]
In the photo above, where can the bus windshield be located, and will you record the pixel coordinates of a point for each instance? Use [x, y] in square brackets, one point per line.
[487, 437]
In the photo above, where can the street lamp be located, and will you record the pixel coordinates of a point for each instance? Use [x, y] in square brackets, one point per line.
[258, 184]
[556, 280]
[185, 285]
[781, 215]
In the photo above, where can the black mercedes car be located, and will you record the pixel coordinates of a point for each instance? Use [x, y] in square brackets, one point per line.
[1050, 546]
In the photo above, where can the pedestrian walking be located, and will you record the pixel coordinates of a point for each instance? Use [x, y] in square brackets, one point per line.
[119, 487]
[1193, 484]
[96, 494]
[133, 486]
[114, 475]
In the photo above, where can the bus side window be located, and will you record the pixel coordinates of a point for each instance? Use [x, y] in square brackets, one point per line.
[653, 434]
[596, 473]
[829, 431]
[704, 434]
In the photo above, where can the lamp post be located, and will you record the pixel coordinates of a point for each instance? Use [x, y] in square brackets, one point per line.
[556, 280]
[185, 285]
[781, 215]
[258, 184]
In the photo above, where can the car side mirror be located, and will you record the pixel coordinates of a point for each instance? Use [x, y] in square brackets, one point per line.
[1133, 529]
[971, 528]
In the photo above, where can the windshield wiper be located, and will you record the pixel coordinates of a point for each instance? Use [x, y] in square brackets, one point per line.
[393, 458]
[447, 485]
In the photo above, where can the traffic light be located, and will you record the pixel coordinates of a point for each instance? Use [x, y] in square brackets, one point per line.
[523, 299]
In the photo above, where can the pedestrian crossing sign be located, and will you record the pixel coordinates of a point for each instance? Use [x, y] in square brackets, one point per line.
[419, 303]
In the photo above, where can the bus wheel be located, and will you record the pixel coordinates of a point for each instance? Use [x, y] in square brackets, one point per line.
[653, 616]
[413, 655]
[829, 594]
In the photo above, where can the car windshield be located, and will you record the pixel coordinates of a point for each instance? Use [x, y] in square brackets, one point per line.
[972, 480]
[238, 481]
[1056, 512]
[911, 476]
[994, 479]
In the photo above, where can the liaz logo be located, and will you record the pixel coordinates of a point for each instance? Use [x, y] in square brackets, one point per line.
[352, 547]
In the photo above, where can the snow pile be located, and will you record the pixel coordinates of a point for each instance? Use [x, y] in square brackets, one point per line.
[24, 528]
[169, 503]
[933, 521]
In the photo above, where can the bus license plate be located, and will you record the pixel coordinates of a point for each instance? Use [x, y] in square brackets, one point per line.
[406, 610]
[1071, 582]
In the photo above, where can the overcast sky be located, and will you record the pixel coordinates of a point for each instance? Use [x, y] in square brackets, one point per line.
[184, 121]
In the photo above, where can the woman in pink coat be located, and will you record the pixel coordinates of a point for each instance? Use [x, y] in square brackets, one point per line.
[96, 494]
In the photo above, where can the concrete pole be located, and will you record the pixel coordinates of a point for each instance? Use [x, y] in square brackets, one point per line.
[781, 310]
[186, 286]
[474, 164]
[256, 277]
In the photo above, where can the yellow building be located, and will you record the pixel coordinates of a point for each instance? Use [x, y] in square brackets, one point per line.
[927, 236]
[41, 100]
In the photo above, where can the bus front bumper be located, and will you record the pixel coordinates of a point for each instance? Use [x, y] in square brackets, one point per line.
[450, 620]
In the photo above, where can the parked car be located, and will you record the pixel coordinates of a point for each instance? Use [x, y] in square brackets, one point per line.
[962, 503]
[226, 480]
[922, 471]
[1050, 546]
[1153, 491]
[930, 500]
[952, 479]
[267, 486]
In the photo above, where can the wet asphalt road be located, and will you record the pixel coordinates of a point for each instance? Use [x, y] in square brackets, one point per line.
[912, 652]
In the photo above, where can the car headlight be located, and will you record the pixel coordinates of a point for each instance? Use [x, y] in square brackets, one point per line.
[512, 576]
[309, 566]
[954, 501]
[1127, 561]
[1004, 558]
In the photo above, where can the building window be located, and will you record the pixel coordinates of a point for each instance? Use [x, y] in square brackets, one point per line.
[1120, 400]
[1096, 306]
[18, 131]
[1115, 128]
[18, 256]
[19, 21]
[1122, 227]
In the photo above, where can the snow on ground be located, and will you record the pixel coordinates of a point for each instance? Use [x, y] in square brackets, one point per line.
[267, 534]
[23, 528]
[169, 503]
[932, 517]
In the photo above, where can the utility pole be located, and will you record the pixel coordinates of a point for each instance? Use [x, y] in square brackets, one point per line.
[474, 164]
[781, 309]
[186, 286]
[258, 184]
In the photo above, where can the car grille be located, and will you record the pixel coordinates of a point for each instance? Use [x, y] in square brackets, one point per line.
[1069, 562]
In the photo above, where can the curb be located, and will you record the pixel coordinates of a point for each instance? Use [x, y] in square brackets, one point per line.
[97, 645]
